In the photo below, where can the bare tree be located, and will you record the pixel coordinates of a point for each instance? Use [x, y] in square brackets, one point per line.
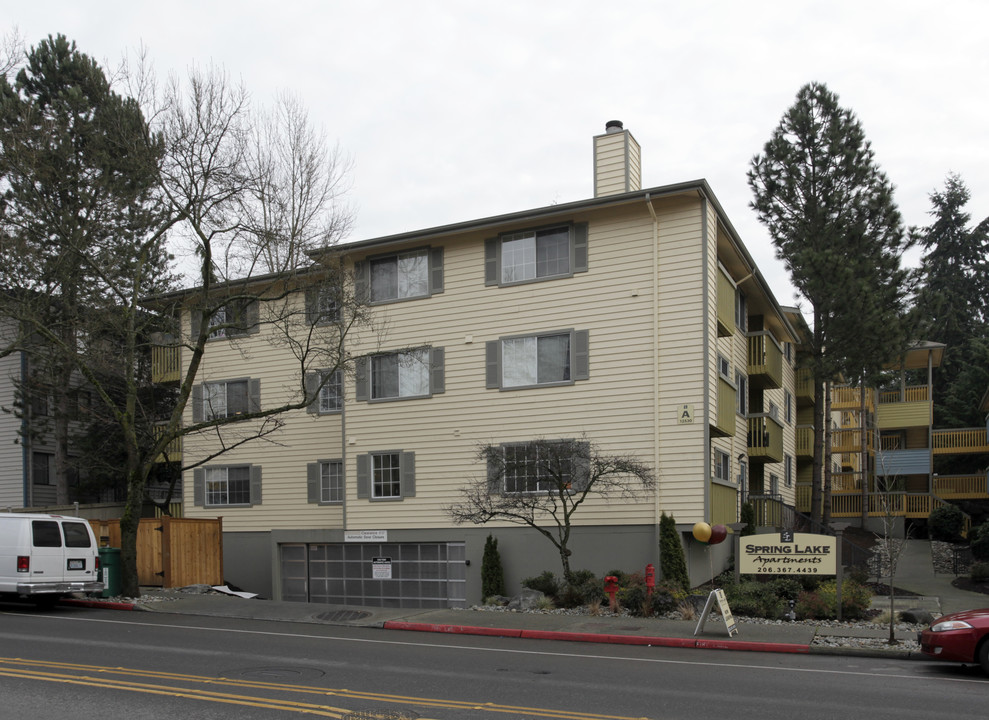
[542, 484]
[11, 52]
[890, 545]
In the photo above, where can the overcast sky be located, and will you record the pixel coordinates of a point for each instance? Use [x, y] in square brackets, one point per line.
[456, 110]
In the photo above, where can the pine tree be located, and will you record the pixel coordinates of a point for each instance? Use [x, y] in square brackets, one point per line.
[829, 210]
[492, 574]
[671, 559]
[952, 305]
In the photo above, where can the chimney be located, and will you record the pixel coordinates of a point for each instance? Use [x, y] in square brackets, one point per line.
[616, 161]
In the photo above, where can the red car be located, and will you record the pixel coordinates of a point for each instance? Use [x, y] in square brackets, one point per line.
[959, 637]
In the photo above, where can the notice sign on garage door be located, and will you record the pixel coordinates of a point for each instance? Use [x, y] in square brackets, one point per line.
[381, 568]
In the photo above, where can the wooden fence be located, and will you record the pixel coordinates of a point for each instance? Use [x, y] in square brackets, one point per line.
[172, 552]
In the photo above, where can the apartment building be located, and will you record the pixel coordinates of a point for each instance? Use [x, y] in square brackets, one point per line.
[635, 318]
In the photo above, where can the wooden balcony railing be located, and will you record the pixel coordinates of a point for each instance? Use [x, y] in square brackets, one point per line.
[850, 440]
[961, 486]
[726, 304]
[804, 439]
[165, 364]
[914, 393]
[968, 440]
[172, 452]
[850, 398]
[804, 385]
[765, 360]
[765, 438]
[724, 422]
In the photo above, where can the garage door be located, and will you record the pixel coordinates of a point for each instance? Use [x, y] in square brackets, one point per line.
[398, 575]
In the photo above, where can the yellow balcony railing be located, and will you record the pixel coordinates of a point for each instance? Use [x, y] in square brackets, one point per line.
[968, 440]
[165, 364]
[961, 486]
[914, 393]
[765, 438]
[726, 304]
[805, 441]
[172, 451]
[850, 398]
[724, 421]
[803, 497]
[765, 360]
[804, 387]
[850, 440]
[724, 504]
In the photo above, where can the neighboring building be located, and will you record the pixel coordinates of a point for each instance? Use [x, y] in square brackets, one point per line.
[636, 318]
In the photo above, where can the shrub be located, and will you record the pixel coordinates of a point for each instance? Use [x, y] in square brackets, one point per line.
[492, 573]
[545, 583]
[633, 598]
[979, 572]
[787, 588]
[747, 516]
[583, 589]
[945, 523]
[811, 606]
[979, 540]
[823, 603]
[755, 599]
[672, 563]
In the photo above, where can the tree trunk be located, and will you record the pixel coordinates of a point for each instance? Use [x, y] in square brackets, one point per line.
[826, 462]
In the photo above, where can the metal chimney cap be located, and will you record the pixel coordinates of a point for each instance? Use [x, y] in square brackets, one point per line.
[614, 126]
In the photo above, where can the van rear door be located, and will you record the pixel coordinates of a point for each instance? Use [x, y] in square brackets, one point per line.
[80, 558]
[47, 553]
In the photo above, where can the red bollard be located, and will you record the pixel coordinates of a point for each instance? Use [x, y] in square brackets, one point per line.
[611, 587]
[650, 579]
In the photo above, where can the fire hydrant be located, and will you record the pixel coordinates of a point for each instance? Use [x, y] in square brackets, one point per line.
[611, 587]
[650, 579]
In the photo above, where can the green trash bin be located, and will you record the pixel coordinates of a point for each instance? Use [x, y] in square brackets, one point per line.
[110, 571]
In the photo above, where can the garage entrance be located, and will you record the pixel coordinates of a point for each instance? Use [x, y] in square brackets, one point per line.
[396, 575]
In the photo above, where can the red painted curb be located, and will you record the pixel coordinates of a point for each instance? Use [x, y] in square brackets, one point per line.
[702, 644]
[98, 604]
[454, 629]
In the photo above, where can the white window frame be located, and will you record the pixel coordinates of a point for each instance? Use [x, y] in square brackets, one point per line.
[741, 311]
[724, 368]
[217, 486]
[519, 257]
[216, 399]
[330, 398]
[788, 470]
[386, 476]
[331, 482]
[742, 393]
[412, 369]
[514, 362]
[722, 466]
[788, 406]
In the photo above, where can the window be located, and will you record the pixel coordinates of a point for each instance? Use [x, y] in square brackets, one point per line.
[774, 484]
[741, 311]
[325, 482]
[400, 276]
[40, 403]
[41, 469]
[788, 352]
[329, 397]
[76, 535]
[788, 406]
[395, 376]
[227, 485]
[322, 306]
[235, 318]
[531, 360]
[388, 475]
[539, 467]
[44, 533]
[742, 394]
[788, 470]
[724, 368]
[534, 255]
[722, 466]
[228, 398]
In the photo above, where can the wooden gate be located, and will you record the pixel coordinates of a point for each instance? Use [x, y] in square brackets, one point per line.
[172, 552]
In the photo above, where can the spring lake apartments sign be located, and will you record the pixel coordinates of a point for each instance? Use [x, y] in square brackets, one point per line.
[788, 553]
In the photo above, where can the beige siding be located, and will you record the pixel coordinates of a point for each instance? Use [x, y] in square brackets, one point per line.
[616, 164]
[11, 452]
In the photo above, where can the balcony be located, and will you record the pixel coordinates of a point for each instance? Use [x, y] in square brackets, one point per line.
[850, 440]
[805, 441]
[765, 361]
[804, 388]
[960, 487]
[850, 398]
[172, 452]
[724, 422]
[726, 305]
[724, 504]
[165, 364]
[968, 440]
[765, 438]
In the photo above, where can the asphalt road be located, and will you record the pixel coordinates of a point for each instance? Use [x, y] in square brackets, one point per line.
[83, 663]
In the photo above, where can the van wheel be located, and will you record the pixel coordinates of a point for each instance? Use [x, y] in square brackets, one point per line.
[46, 602]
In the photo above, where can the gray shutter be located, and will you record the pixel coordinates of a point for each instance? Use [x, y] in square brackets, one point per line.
[312, 382]
[436, 270]
[253, 395]
[491, 261]
[437, 371]
[361, 379]
[312, 305]
[363, 476]
[581, 466]
[312, 482]
[581, 355]
[407, 469]
[580, 247]
[197, 403]
[255, 484]
[362, 282]
[199, 487]
[495, 473]
[492, 360]
[250, 319]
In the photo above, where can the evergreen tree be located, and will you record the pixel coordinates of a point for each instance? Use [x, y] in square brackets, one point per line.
[829, 210]
[671, 559]
[492, 574]
[952, 305]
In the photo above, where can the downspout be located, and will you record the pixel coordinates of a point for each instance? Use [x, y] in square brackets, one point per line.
[705, 309]
[657, 504]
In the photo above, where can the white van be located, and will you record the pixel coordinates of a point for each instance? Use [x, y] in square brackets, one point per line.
[43, 557]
